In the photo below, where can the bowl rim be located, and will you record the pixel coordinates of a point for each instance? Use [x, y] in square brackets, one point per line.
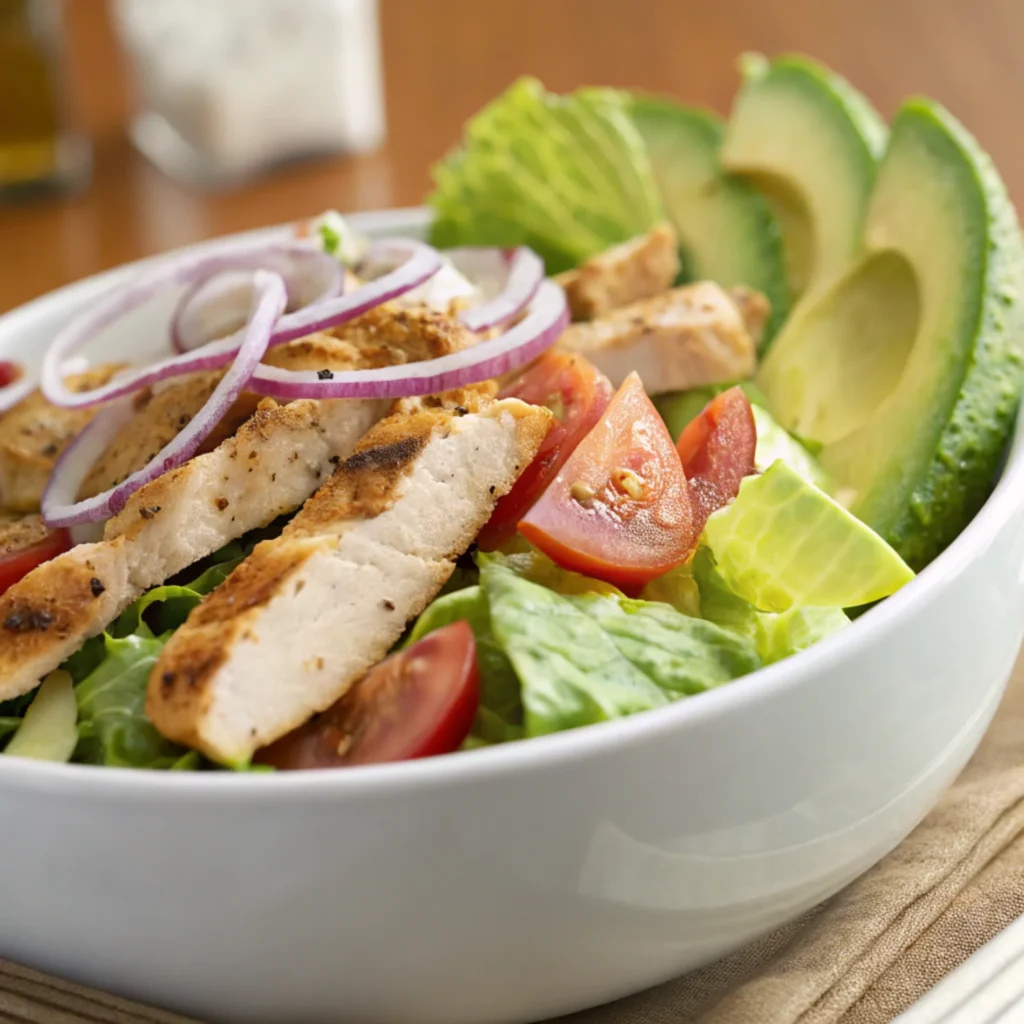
[524, 756]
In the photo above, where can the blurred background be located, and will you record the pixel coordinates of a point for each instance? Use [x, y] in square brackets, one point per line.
[129, 127]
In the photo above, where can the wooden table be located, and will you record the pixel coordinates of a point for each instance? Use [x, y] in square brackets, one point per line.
[444, 58]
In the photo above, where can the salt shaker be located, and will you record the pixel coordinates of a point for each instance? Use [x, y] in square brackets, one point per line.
[231, 87]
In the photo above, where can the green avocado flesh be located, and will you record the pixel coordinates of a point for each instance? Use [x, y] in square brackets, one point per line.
[811, 144]
[725, 227]
[908, 368]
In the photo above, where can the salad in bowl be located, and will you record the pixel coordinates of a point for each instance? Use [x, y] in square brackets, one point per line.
[498, 608]
[381, 500]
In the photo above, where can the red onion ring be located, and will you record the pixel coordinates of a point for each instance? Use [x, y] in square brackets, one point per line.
[217, 306]
[547, 316]
[59, 506]
[421, 263]
[524, 272]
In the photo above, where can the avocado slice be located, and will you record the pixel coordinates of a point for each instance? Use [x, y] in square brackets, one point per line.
[727, 231]
[910, 366]
[811, 144]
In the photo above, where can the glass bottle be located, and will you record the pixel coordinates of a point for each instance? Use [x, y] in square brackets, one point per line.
[37, 146]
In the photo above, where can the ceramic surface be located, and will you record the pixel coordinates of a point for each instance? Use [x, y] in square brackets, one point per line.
[515, 883]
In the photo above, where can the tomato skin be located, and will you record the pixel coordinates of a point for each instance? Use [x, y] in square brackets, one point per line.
[717, 449]
[417, 703]
[14, 565]
[9, 372]
[619, 508]
[581, 394]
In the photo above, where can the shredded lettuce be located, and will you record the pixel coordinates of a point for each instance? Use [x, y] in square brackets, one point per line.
[567, 175]
[783, 543]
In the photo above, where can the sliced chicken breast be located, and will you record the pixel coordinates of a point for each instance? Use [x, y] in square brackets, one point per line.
[20, 531]
[684, 338]
[385, 336]
[275, 461]
[32, 436]
[307, 614]
[637, 269]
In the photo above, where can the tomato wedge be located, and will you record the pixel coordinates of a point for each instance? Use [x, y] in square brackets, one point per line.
[9, 372]
[27, 544]
[619, 509]
[577, 393]
[717, 450]
[417, 703]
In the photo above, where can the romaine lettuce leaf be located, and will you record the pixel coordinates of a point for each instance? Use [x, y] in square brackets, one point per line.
[776, 635]
[774, 443]
[567, 175]
[783, 543]
[535, 566]
[8, 725]
[593, 656]
[111, 672]
[570, 671]
[780, 634]
[677, 587]
[112, 724]
[500, 715]
[681, 654]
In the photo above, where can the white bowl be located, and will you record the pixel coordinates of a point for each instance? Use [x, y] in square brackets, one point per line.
[525, 881]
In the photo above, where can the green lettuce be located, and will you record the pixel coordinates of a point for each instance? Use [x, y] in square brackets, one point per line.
[677, 587]
[582, 652]
[500, 714]
[567, 175]
[780, 634]
[681, 654]
[783, 543]
[776, 635]
[570, 670]
[112, 725]
[111, 671]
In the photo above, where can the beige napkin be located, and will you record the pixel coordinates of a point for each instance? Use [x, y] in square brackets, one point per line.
[861, 958]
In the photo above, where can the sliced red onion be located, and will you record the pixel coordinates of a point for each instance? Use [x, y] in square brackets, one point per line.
[59, 506]
[217, 306]
[421, 262]
[523, 272]
[547, 316]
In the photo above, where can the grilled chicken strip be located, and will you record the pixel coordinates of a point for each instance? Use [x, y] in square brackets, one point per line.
[638, 269]
[381, 337]
[275, 461]
[32, 436]
[688, 337]
[305, 616]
